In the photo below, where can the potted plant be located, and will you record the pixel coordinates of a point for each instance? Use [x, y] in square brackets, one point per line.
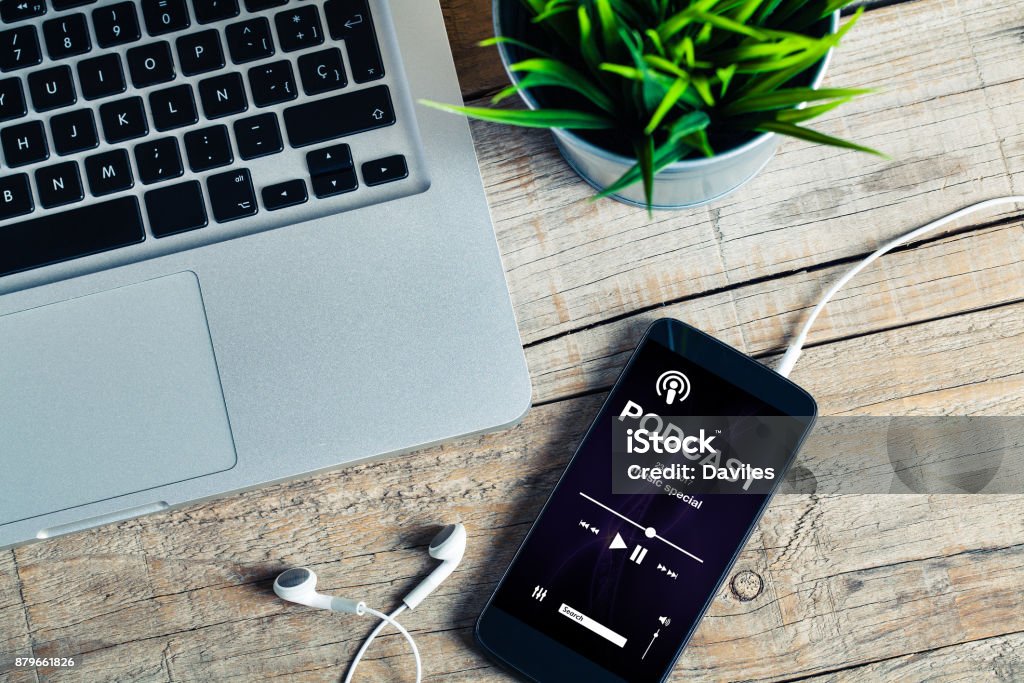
[667, 103]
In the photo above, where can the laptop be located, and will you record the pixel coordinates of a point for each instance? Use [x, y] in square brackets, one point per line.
[234, 251]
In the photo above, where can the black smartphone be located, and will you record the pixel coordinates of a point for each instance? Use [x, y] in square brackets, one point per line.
[627, 553]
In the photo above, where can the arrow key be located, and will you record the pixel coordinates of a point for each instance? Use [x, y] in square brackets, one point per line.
[386, 170]
[283, 195]
[329, 159]
[330, 184]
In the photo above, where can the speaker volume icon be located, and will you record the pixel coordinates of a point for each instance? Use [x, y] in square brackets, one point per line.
[665, 621]
[673, 386]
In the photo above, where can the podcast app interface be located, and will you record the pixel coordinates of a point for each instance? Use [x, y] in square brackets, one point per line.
[622, 578]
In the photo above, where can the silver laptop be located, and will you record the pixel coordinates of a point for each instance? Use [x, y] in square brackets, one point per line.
[233, 251]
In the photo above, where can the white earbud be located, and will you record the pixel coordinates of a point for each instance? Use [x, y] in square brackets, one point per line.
[449, 545]
[299, 585]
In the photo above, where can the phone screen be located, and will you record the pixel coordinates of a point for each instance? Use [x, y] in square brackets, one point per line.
[623, 579]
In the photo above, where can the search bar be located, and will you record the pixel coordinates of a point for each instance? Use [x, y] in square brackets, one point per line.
[591, 625]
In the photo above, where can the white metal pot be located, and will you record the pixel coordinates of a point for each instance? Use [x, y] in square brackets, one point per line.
[689, 182]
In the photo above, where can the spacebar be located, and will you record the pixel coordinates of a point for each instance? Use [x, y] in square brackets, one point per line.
[70, 234]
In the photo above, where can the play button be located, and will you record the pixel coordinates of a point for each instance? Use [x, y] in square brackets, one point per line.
[617, 543]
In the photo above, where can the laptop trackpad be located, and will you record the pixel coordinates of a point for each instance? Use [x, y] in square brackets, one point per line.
[108, 394]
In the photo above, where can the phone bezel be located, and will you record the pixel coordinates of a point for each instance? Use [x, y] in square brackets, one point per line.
[538, 657]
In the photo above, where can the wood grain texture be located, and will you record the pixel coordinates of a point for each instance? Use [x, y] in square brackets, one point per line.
[992, 659]
[856, 588]
[939, 278]
[849, 579]
[14, 630]
[949, 80]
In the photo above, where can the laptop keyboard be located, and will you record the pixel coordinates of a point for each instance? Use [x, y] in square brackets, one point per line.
[133, 129]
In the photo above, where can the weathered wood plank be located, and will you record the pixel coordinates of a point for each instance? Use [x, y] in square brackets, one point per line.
[186, 595]
[999, 659]
[946, 114]
[14, 633]
[480, 70]
[940, 278]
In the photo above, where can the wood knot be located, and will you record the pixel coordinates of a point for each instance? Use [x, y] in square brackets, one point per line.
[747, 585]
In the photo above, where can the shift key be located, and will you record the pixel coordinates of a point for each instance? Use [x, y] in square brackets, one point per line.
[338, 116]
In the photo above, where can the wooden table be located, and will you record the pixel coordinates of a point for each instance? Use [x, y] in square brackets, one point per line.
[858, 588]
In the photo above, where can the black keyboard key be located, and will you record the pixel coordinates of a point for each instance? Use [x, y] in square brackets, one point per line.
[74, 131]
[15, 200]
[258, 136]
[59, 184]
[70, 234]
[60, 5]
[329, 184]
[223, 95]
[208, 11]
[24, 144]
[322, 71]
[16, 10]
[350, 20]
[334, 117]
[272, 83]
[177, 208]
[109, 172]
[52, 88]
[249, 40]
[66, 36]
[158, 160]
[299, 28]
[208, 148]
[173, 107]
[165, 16]
[329, 159]
[260, 5]
[116, 24]
[283, 195]
[386, 170]
[200, 52]
[123, 120]
[101, 76]
[19, 47]
[231, 195]
[151, 64]
[12, 99]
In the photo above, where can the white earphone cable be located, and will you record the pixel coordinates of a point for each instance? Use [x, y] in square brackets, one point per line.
[795, 347]
[385, 619]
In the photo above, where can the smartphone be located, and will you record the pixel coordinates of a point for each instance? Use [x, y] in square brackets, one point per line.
[627, 553]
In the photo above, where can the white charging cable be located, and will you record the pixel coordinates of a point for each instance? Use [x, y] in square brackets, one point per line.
[385, 619]
[796, 346]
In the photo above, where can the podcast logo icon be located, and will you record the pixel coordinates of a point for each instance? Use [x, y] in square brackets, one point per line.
[673, 386]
